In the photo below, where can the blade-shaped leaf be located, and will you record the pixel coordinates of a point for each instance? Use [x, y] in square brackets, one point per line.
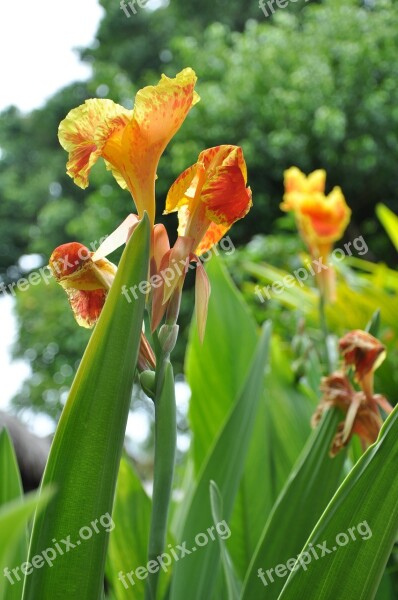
[224, 465]
[128, 544]
[359, 528]
[85, 454]
[231, 581]
[11, 489]
[310, 486]
[14, 518]
[389, 221]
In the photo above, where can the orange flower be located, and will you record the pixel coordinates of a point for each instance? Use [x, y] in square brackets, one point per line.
[365, 353]
[321, 219]
[86, 282]
[209, 197]
[130, 141]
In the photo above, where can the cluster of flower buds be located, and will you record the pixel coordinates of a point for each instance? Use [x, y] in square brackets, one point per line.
[363, 353]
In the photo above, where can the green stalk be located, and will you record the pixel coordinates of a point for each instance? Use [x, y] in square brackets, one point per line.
[325, 331]
[165, 448]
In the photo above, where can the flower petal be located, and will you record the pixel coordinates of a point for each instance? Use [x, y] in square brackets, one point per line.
[226, 196]
[117, 238]
[202, 294]
[85, 131]
[212, 236]
[159, 112]
[176, 196]
[86, 305]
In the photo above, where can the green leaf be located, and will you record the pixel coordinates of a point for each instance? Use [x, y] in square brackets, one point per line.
[231, 581]
[11, 489]
[14, 518]
[10, 480]
[225, 357]
[359, 527]
[309, 488]
[85, 454]
[224, 465]
[389, 220]
[128, 544]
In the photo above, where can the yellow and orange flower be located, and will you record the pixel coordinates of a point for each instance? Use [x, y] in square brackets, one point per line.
[210, 196]
[321, 219]
[130, 141]
[86, 282]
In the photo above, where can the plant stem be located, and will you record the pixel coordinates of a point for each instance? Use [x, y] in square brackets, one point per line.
[325, 331]
[165, 447]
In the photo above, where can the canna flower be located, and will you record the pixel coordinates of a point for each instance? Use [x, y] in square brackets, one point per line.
[130, 141]
[321, 219]
[210, 196]
[360, 408]
[365, 353]
[86, 282]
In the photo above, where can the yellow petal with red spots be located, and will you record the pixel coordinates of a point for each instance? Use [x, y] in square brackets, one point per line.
[85, 131]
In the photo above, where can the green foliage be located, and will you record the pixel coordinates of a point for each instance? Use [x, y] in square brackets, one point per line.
[85, 454]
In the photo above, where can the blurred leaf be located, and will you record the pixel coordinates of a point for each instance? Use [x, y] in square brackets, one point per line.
[85, 454]
[307, 492]
[366, 507]
[128, 543]
[389, 221]
[231, 581]
[224, 465]
[11, 489]
[14, 518]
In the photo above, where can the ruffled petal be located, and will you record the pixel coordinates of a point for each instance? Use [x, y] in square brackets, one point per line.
[212, 236]
[226, 196]
[85, 131]
[177, 195]
[86, 305]
[159, 112]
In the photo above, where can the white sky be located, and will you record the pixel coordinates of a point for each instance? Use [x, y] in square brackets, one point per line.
[36, 59]
[36, 47]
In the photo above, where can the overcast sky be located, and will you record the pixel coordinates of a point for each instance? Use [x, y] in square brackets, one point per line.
[37, 41]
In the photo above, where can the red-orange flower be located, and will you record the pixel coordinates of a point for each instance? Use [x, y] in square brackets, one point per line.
[130, 141]
[86, 282]
[209, 196]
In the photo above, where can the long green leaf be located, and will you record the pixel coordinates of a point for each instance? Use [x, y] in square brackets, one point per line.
[310, 486]
[232, 585]
[14, 518]
[11, 489]
[358, 528]
[225, 466]
[128, 544]
[389, 220]
[85, 454]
